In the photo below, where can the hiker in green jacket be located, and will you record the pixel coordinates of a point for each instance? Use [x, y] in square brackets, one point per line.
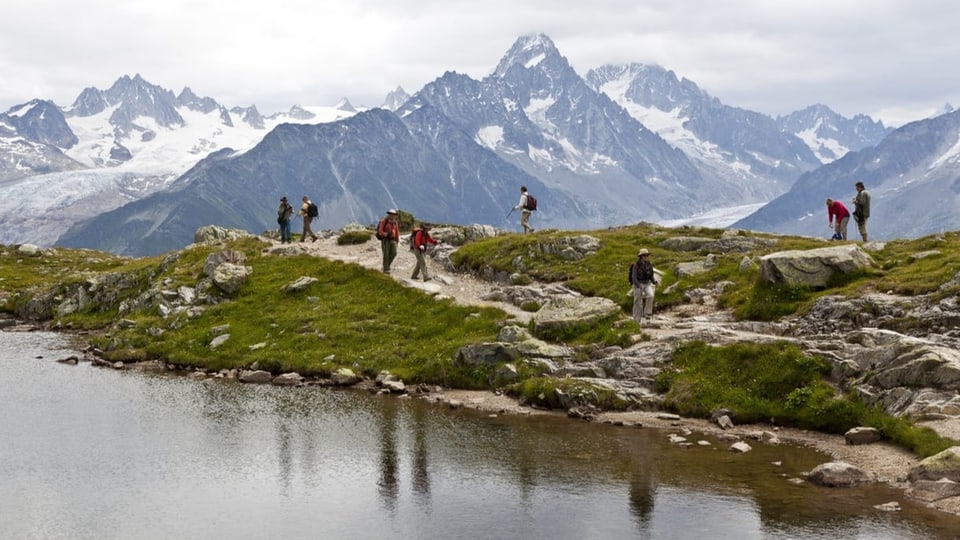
[861, 209]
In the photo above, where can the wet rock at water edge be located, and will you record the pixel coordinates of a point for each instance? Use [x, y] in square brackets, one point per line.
[839, 474]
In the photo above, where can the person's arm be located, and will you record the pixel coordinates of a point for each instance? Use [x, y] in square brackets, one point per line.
[523, 202]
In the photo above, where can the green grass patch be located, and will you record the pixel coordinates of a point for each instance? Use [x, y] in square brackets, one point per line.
[778, 384]
[766, 302]
[350, 317]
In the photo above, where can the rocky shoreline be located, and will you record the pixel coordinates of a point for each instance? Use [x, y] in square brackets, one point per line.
[910, 370]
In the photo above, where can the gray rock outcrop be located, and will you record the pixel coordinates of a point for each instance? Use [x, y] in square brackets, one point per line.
[560, 314]
[946, 464]
[813, 267]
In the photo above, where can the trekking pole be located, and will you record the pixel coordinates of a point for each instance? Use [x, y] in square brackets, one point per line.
[509, 213]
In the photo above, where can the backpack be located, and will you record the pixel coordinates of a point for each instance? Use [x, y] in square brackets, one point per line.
[312, 210]
[531, 203]
[377, 234]
[633, 267]
[413, 239]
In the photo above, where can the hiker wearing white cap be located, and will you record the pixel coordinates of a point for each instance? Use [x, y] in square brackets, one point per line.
[388, 232]
[644, 280]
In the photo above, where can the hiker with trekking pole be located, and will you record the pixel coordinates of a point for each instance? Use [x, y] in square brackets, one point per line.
[527, 204]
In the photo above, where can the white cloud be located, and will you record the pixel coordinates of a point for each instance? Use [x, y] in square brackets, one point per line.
[774, 56]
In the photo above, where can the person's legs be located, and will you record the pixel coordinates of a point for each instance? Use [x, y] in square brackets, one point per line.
[647, 295]
[391, 252]
[307, 229]
[842, 227]
[862, 227]
[637, 303]
[421, 265]
[385, 248]
[524, 219]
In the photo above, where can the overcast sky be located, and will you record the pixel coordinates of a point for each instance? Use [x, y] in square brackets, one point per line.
[896, 60]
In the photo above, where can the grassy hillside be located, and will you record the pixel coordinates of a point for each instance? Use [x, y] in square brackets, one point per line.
[357, 318]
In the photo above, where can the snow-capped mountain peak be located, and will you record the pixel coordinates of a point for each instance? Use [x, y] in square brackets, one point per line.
[527, 52]
[396, 99]
[345, 105]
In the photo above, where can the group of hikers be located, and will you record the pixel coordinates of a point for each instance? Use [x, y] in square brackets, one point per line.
[838, 216]
[308, 211]
[388, 230]
[642, 275]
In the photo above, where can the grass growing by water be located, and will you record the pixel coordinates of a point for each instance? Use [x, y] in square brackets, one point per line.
[779, 384]
[349, 317]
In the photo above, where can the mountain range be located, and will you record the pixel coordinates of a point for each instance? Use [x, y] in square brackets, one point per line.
[624, 143]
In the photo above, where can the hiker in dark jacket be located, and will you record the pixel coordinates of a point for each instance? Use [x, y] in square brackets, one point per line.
[421, 239]
[284, 214]
[861, 209]
[388, 231]
[644, 280]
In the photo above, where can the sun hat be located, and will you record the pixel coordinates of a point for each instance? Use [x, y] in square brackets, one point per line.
[643, 252]
[392, 211]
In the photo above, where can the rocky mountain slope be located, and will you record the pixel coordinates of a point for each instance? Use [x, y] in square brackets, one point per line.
[913, 177]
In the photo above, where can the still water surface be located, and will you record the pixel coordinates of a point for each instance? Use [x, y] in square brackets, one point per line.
[89, 453]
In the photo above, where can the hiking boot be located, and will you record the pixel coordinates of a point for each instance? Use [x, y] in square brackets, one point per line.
[314, 238]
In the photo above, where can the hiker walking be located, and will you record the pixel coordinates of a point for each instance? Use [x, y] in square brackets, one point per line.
[284, 214]
[388, 231]
[837, 213]
[525, 210]
[420, 240]
[644, 280]
[308, 211]
[861, 209]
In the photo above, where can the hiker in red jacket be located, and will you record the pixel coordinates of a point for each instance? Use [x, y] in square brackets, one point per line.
[421, 240]
[388, 232]
[837, 217]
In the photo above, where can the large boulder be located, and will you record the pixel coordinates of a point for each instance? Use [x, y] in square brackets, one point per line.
[813, 267]
[838, 474]
[563, 313]
[946, 464]
[213, 233]
[487, 354]
[229, 278]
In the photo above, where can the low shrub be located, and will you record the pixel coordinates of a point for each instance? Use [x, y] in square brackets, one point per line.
[350, 238]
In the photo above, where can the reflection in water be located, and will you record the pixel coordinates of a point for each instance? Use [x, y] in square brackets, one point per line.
[97, 453]
[389, 487]
[421, 473]
[641, 488]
